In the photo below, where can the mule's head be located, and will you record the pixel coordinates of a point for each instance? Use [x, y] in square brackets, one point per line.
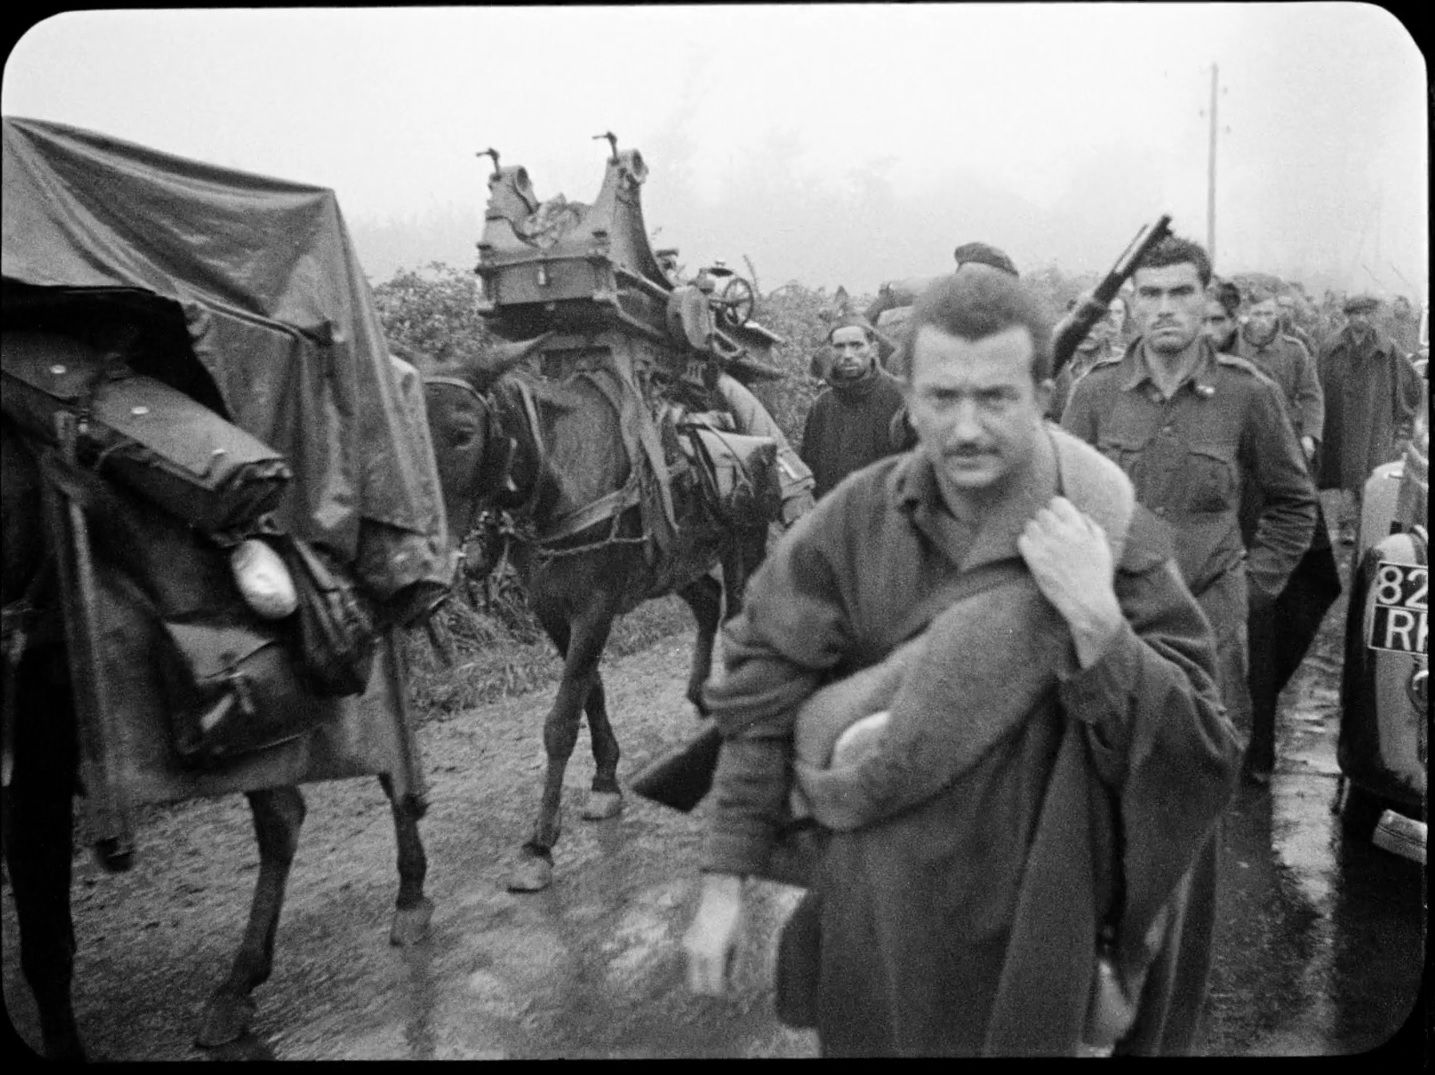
[472, 450]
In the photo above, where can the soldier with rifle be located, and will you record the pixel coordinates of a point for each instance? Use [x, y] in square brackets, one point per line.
[1191, 427]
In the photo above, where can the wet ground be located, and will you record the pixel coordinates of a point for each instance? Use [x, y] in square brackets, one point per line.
[1319, 947]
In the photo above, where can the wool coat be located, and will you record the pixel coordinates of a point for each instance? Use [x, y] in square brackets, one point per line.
[968, 923]
[1371, 393]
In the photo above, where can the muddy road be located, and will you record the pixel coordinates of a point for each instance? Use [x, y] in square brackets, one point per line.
[1319, 943]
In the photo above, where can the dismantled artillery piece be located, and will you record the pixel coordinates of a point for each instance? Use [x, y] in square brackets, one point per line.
[673, 358]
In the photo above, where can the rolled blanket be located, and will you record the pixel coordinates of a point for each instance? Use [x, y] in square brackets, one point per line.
[972, 677]
[955, 690]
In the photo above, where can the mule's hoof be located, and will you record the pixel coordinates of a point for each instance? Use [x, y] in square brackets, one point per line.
[411, 924]
[226, 1018]
[533, 873]
[602, 805]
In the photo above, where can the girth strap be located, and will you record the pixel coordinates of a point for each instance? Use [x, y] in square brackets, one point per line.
[605, 507]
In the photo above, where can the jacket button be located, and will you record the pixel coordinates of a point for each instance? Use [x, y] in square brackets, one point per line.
[1161, 511]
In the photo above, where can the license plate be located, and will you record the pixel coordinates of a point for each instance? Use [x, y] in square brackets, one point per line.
[1401, 601]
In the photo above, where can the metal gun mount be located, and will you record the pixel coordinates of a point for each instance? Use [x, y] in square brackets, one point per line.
[565, 266]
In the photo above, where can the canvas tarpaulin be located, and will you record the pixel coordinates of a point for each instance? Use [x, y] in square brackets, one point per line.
[277, 311]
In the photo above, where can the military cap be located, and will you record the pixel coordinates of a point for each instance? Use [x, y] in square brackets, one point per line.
[984, 254]
[1361, 304]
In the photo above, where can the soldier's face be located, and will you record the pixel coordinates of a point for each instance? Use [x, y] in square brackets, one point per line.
[1263, 320]
[851, 352]
[1359, 321]
[1170, 306]
[975, 407]
[1218, 324]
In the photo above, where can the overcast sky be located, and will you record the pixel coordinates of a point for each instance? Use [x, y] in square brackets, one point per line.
[831, 144]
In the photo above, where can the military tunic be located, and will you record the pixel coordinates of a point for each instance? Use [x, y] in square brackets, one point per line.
[1285, 360]
[1188, 457]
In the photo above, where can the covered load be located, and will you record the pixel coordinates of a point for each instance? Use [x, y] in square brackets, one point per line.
[244, 293]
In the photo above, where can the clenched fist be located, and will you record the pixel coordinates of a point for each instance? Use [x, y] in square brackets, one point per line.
[1071, 563]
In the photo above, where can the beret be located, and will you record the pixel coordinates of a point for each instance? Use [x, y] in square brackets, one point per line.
[1361, 304]
[983, 254]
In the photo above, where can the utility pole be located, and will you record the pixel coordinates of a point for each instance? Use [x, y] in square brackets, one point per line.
[1211, 176]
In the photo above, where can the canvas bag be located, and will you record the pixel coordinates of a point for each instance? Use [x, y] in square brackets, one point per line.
[335, 635]
[156, 440]
[738, 473]
[230, 680]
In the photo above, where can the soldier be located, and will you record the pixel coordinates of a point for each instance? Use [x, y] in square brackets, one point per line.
[1223, 302]
[1404, 326]
[1280, 634]
[1103, 343]
[1290, 325]
[849, 425]
[1285, 360]
[1371, 393]
[1190, 426]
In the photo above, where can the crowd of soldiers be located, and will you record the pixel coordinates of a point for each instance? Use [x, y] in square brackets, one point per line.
[1161, 495]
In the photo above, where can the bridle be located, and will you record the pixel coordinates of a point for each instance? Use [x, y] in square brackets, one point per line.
[470, 525]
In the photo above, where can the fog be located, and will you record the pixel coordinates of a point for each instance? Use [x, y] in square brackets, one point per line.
[828, 144]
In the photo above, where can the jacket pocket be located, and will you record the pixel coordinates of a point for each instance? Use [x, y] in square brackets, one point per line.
[1210, 481]
[1122, 452]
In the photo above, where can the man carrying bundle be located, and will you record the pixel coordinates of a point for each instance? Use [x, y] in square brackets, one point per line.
[1048, 684]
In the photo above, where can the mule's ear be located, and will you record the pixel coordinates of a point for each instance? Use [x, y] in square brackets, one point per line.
[502, 357]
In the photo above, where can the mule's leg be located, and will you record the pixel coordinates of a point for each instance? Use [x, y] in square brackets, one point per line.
[704, 597]
[580, 641]
[413, 909]
[741, 560]
[278, 816]
[38, 835]
[604, 800]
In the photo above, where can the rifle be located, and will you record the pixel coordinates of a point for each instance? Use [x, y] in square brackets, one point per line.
[1079, 322]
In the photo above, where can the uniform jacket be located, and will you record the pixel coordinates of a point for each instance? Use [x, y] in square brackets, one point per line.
[1081, 363]
[849, 427]
[967, 923]
[1285, 360]
[1371, 393]
[1189, 456]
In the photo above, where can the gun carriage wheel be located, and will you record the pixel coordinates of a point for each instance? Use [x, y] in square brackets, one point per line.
[735, 302]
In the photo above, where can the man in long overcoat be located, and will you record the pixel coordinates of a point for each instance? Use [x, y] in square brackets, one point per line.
[1371, 393]
[1033, 839]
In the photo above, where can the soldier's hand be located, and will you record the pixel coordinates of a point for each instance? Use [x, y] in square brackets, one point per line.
[1307, 444]
[711, 940]
[1071, 564]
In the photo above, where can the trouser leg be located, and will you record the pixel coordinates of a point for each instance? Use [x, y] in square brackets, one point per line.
[1224, 603]
[1264, 688]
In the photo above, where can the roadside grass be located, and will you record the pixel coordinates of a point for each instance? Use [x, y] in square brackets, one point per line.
[500, 652]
